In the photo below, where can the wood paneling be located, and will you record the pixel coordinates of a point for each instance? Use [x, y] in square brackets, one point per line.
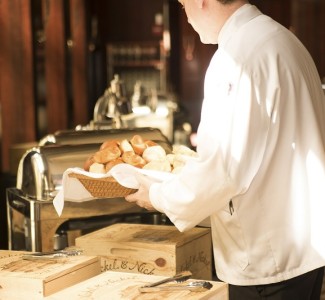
[127, 20]
[279, 10]
[308, 23]
[56, 65]
[194, 58]
[79, 67]
[306, 18]
[16, 76]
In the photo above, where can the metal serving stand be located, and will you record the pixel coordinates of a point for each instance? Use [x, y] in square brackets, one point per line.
[33, 223]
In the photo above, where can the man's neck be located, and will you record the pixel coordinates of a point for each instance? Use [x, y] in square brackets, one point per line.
[225, 11]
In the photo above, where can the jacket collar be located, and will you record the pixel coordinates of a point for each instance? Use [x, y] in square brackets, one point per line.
[240, 17]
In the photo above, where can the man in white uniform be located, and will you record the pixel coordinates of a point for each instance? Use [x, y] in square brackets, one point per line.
[260, 174]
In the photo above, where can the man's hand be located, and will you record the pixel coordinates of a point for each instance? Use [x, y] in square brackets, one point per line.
[141, 197]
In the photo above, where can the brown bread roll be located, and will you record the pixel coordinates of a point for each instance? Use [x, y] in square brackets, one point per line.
[109, 143]
[113, 163]
[133, 159]
[138, 144]
[89, 161]
[107, 154]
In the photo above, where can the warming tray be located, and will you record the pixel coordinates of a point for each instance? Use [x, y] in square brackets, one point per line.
[40, 170]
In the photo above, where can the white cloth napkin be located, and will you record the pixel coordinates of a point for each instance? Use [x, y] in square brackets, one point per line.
[126, 175]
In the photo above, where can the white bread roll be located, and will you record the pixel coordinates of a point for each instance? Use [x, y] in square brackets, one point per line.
[97, 168]
[154, 153]
[125, 146]
[158, 165]
[184, 150]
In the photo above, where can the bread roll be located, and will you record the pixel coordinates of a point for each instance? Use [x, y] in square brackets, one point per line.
[138, 144]
[184, 150]
[133, 159]
[97, 168]
[89, 161]
[113, 163]
[109, 143]
[150, 143]
[154, 153]
[125, 146]
[107, 154]
[158, 165]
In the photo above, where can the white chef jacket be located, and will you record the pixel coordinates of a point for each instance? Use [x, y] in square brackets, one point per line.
[260, 175]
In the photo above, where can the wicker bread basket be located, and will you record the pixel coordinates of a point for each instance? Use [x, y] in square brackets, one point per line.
[106, 187]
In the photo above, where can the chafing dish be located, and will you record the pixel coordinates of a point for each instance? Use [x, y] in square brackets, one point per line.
[32, 221]
[40, 170]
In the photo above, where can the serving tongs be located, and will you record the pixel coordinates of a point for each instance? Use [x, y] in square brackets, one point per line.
[180, 277]
[193, 286]
[177, 282]
[52, 255]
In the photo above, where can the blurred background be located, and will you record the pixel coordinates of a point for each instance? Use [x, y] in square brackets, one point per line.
[59, 57]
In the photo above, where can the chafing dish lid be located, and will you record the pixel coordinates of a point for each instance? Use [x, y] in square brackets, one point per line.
[41, 168]
[99, 136]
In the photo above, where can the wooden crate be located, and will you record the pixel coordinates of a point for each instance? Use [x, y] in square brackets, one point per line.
[125, 286]
[35, 279]
[151, 249]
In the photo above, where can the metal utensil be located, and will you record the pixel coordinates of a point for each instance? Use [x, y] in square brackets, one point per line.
[180, 277]
[52, 255]
[193, 286]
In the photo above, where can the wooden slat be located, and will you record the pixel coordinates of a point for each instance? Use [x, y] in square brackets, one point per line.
[79, 67]
[16, 76]
[56, 67]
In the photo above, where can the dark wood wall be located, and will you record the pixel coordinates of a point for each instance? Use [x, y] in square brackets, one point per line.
[17, 93]
[51, 57]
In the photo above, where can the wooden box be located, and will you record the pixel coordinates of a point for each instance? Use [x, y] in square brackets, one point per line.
[151, 249]
[35, 279]
[125, 286]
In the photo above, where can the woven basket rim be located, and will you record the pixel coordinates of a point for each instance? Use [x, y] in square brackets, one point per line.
[106, 187]
[82, 176]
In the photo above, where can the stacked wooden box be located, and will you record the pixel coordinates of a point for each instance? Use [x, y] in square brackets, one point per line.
[34, 279]
[151, 249]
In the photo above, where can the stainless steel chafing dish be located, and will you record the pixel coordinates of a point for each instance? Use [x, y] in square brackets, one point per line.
[39, 175]
[40, 170]
[32, 220]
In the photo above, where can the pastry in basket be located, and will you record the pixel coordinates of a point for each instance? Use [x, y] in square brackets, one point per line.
[139, 153]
